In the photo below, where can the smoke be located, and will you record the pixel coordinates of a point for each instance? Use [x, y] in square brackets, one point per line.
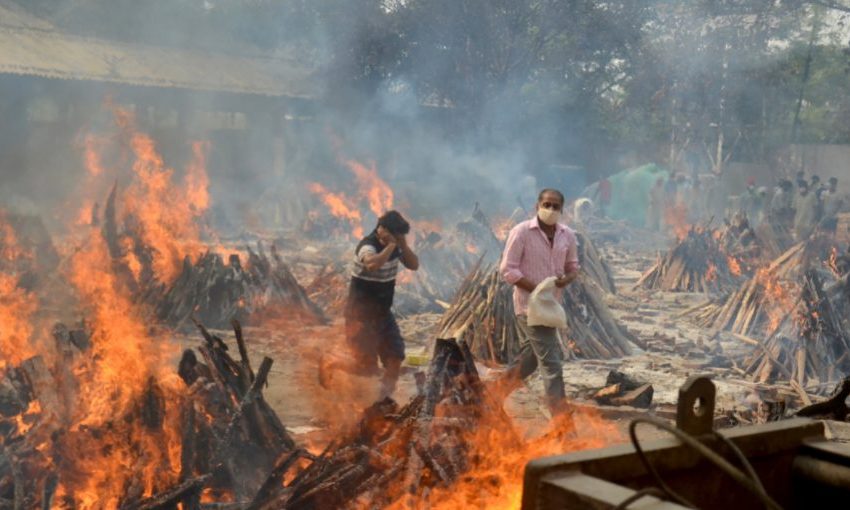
[455, 102]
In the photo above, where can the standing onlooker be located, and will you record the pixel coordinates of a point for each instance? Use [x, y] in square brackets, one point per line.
[655, 207]
[832, 204]
[806, 217]
[781, 210]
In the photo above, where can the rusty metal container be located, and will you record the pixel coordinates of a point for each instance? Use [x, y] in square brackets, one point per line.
[797, 465]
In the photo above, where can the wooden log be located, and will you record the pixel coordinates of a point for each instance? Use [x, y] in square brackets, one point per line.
[169, 499]
[275, 478]
[247, 400]
[243, 351]
[640, 397]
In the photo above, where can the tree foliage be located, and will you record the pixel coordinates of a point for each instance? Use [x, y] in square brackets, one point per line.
[709, 80]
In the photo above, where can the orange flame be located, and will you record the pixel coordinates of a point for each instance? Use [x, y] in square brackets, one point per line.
[778, 296]
[124, 363]
[338, 206]
[164, 212]
[196, 180]
[17, 306]
[372, 187]
[711, 273]
[92, 148]
[495, 480]
[84, 216]
[372, 191]
[676, 219]
[734, 266]
[502, 227]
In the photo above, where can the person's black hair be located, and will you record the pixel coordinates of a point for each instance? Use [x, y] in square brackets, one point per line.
[833, 180]
[815, 178]
[550, 190]
[394, 222]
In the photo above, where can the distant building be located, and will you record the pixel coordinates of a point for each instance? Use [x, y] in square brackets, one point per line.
[52, 83]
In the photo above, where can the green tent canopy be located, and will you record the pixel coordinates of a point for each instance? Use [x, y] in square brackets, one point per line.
[630, 192]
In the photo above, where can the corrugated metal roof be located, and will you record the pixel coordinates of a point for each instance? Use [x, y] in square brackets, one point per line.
[29, 46]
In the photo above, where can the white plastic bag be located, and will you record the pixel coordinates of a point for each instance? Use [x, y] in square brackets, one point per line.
[543, 308]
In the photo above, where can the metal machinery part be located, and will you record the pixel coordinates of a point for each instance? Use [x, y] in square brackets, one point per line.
[798, 467]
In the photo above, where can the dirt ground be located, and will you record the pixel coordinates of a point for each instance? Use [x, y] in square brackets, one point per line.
[678, 350]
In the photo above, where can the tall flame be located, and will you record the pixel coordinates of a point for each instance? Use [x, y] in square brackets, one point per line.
[338, 206]
[734, 266]
[372, 192]
[778, 296]
[124, 364]
[165, 214]
[196, 181]
[93, 146]
[17, 306]
[371, 187]
[498, 462]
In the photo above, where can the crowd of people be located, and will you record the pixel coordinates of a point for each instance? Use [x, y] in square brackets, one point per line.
[799, 207]
[812, 206]
[679, 198]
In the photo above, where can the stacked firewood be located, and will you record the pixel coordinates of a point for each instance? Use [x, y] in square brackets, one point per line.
[229, 431]
[482, 314]
[793, 314]
[445, 258]
[593, 264]
[217, 293]
[810, 344]
[592, 331]
[395, 452]
[213, 291]
[764, 298]
[329, 288]
[695, 264]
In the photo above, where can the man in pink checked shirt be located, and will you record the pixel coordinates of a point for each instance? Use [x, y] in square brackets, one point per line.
[537, 249]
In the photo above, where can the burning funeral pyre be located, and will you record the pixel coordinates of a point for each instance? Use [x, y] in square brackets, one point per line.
[112, 412]
[208, 288]
[793, 313]
[695, 264]
[217, 292]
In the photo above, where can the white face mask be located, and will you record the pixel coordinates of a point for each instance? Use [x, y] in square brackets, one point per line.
[548, 216]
